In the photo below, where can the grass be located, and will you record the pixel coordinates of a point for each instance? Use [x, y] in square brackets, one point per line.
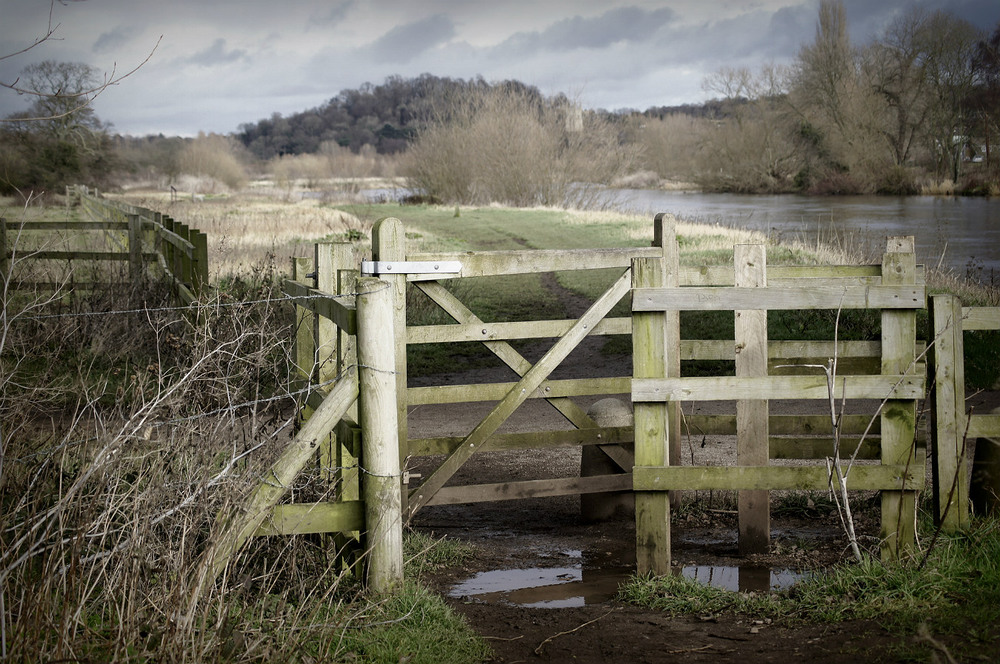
[135, 526]
[955, 595]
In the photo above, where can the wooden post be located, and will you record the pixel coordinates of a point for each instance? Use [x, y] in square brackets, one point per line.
[898, 417]
[379, 435]
[199, 276]
[304, 352]
[665, 237]
[948, 418]
[750, 262]
[185, 275]
[652, 424]
[389, 244]
[134, 248]
[4, 264]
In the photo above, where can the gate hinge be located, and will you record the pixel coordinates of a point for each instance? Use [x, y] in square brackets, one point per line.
[376, 268]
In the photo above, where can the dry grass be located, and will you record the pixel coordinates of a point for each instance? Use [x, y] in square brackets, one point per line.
[262, 224]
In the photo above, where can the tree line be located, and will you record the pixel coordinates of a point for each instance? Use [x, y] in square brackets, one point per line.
[915, 108]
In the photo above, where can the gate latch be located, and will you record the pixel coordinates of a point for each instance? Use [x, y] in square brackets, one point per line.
[376, 268]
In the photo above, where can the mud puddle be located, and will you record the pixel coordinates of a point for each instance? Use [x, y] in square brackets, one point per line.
[581, 584]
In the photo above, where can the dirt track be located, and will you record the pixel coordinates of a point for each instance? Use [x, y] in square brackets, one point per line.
[523, 537]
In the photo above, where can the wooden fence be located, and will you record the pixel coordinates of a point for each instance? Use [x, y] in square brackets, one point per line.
[891, 287]
[351, 339]
[952, 427]
[138, 237]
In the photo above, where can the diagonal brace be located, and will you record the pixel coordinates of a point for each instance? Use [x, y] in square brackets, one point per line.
[530, 382]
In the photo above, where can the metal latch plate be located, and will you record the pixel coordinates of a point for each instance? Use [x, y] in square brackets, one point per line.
[376, 268]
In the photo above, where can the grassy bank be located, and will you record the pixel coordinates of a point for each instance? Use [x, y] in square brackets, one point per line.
[945, 606]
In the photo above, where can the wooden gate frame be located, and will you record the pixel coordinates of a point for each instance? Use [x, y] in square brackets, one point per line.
[951, 425]
[388, 243]
[901, 472]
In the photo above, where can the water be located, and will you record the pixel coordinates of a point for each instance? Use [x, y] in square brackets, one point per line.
[960, 233]
[582, 584]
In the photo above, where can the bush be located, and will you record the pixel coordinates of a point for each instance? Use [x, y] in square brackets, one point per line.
[506, 146]
[216, 157]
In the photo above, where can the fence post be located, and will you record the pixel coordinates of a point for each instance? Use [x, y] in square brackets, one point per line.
[4, 265]
[948, 442]
[652, 424]
[389, 244]
[134, 248]
[750, 262]
[379, 435]
[304, 353]
[199, 276]
[899, 333]
[665, 237]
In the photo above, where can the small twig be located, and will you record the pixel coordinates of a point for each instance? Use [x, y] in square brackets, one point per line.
[538, 650]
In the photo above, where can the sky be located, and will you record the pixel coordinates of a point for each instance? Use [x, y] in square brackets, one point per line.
[212, 65]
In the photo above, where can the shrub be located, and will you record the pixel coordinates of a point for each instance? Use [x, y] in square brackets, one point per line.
[506, 146]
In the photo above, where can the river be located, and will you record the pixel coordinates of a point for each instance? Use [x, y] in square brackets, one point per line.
[958, 233]
[961, 234]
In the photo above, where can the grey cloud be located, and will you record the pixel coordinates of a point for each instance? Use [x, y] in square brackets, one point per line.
[626, 24]
[216, 54]
[114, 39]
[330, 16]
[404, 42]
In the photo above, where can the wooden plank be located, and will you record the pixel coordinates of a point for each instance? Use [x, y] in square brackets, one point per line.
[122, 256]
[479, 493]
[778, 478]
[524, 441]
[948, 421]
[495, 263]
[650, 344]
[819, 296]
[899, 414]
[72, 225]
[309, 518]
[442, 394]
[788, 275]
[340, 310]
[984, 426]
[534, 329]
[753, 506]
[531, 380]
[821, 448]
[981, 318]
[724, 388]
[779, 425]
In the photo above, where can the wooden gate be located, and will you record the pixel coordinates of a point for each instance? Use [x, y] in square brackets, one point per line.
[892, 288]
[423, 271]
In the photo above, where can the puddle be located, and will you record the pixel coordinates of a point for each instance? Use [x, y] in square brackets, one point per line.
[742, 578]
[576, 585]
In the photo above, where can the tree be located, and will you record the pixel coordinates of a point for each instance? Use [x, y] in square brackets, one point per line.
[59, 139]
[752, 149]
[986, 93]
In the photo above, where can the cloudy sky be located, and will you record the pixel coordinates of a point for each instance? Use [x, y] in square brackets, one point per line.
[218, 63]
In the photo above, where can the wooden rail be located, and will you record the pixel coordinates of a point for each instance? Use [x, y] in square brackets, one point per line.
[891, 287]
[952, 426]
[143, 239]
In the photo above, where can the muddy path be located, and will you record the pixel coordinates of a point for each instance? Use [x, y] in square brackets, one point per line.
[542, 584]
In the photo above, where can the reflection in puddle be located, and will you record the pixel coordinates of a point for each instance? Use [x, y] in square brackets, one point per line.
[562, 587]
[743, 578]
